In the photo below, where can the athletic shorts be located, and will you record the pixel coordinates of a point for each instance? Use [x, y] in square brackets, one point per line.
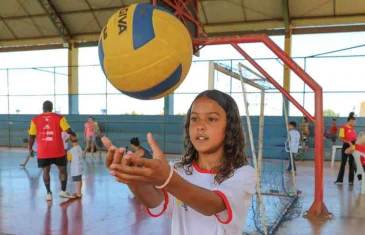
[77, 178]
[90, 138]
[58, 161]
[98, 142]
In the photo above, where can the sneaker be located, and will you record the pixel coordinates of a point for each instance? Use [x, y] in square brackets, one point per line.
[66, 194]
[351, 183]
[49, 197]
[338, 183]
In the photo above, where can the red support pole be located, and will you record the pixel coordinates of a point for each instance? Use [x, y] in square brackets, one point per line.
[318, 207]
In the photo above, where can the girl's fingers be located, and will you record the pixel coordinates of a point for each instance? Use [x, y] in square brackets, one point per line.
[110, 156]
[146, 163]
[106, 142]
[118, 155]
[130, 170]
[157, 151]
[126, 158]
[127, 179]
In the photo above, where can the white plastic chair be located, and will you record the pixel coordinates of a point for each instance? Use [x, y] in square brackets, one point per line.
[359, 168]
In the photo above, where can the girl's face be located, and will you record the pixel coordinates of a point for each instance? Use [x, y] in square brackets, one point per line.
[352, 122]
[134, 147]
[90, 120]
[207, 126]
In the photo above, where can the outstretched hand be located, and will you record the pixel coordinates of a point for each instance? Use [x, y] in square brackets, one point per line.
[129, 169]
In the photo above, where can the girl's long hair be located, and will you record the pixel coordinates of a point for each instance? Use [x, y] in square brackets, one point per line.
[234, 141]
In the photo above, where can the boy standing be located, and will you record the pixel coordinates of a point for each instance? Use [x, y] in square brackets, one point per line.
[75, 156]
[294, 137]
[334, 130]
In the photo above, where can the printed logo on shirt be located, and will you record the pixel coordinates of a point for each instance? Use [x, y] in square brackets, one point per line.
[183, 205]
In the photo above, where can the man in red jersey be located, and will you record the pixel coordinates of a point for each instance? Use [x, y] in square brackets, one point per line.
[48, 127]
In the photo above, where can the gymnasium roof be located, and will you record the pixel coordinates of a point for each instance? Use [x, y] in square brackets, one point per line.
[42, 24]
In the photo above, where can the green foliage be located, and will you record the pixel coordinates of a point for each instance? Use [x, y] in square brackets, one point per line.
[330, 113]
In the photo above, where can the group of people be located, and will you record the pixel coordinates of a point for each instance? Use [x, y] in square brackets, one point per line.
[49, 139]
[208, 192]
[346, 134]
[351, 142]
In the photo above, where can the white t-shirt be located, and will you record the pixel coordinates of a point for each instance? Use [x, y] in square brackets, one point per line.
[236, 192]
[294, 140]
[65, 137]
[75, 154]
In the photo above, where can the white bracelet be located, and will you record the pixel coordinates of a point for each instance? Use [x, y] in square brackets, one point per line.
[168, 179]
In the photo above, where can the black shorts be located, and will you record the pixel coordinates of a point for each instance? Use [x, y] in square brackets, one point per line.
[98, 142]
[58, 161]
[77, 178]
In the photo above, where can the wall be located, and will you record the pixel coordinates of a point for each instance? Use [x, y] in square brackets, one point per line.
[168, 131]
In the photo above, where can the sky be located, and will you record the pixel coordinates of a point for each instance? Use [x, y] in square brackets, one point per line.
[35, 76]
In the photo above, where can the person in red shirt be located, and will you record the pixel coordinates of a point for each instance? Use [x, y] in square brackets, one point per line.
[348, 136]
[334, 130]
[48, 127]
[358, 146]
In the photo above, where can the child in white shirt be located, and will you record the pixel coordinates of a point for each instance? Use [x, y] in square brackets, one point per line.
[209, 191]
[75, 156]
[294, 136]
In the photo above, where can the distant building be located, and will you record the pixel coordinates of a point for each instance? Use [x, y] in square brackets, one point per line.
[362, 109]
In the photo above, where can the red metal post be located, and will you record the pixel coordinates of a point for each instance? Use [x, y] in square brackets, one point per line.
[318, 207]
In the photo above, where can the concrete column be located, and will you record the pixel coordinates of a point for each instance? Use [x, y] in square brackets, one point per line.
[73, 80]
[286, 79]
[211, 76]
[169, 104]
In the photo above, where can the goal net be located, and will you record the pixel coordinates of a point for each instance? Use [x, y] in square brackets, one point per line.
[276, 197]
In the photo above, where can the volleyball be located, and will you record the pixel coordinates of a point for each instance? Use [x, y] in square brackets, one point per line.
[145, 51]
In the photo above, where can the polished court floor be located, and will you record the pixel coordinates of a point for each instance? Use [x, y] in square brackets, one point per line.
[108, 207]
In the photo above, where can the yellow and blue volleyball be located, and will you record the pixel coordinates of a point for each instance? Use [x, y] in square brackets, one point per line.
[145, 51]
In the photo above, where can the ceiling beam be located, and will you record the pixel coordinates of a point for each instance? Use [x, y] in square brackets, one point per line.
[272, 27]
[8, 27]
[96, 10]
[92, 12]
[340, 22]
[56, 20]
[286, 16]
[31, 18]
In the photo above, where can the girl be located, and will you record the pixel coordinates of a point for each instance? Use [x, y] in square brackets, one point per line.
[209, 191]
[140, 151]
[89, 136]
[348, 136]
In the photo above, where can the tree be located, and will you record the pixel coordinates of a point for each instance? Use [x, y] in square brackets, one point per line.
[134, 113]
[330, 113]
